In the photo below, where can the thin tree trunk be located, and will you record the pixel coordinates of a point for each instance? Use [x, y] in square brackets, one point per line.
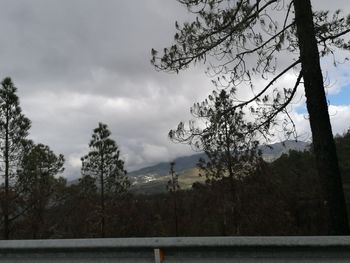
[323, 143]
[102, 200]
[174, 196]
[102, 209]
[7, 198]
[233, 187]
[175, 211]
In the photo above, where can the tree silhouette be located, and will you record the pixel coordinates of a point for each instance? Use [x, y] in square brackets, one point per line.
[241, 40]
[173, 186]
[228, 140]
[104, 164]
[37, 183]
[14, 128]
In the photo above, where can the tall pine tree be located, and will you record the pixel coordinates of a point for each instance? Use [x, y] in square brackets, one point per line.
[173, 187]
[14, 127]
[103, 163]
[241, 41]
[228, 140]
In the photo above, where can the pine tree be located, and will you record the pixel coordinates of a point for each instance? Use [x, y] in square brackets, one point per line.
[173, 186]
[228, 141]
[241, 41]
[104, 164]
[37, 183]
[14, 127]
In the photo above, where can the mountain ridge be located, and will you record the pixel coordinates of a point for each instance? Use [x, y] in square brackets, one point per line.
[183, 163]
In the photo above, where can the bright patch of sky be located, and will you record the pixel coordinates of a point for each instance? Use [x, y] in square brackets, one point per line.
[341, 98]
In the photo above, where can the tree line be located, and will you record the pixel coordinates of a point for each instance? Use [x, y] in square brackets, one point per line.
[242, 195]
[279, 198]
[240, 41]
[30, 171]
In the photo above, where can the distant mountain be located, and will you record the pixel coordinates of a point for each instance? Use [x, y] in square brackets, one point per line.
[183, 164]
[153, 179]
[161, 169]
[273, 151]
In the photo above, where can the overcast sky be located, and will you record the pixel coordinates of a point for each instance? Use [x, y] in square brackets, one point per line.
[79, 62]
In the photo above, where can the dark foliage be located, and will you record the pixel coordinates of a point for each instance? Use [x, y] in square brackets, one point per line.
[14, 127]
[241, 41]
[102, 165]
[279, 198]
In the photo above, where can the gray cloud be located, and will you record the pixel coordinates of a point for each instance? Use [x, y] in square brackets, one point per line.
[79, 62]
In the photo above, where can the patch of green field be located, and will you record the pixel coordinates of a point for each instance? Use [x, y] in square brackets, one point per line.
[186, 180]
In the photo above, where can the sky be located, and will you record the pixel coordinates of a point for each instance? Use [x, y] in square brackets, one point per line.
[80, 62]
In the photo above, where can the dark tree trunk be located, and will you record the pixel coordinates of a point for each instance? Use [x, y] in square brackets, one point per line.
[323, 143]
[174, 197]
[175, 212]
[102, 203]
[102, 200]
[7, 197]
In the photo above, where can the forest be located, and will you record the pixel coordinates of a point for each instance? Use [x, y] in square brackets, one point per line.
[272, 198]
[245, 45]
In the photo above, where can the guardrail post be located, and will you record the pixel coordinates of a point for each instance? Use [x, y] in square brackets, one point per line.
[158, 255]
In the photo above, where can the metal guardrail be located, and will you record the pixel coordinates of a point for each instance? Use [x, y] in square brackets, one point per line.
[184, 249]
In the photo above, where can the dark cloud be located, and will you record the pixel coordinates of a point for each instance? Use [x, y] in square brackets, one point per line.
[79, 62]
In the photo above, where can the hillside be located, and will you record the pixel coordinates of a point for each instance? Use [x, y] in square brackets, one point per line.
[153, 179]
[273, 151]
[162, 169]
